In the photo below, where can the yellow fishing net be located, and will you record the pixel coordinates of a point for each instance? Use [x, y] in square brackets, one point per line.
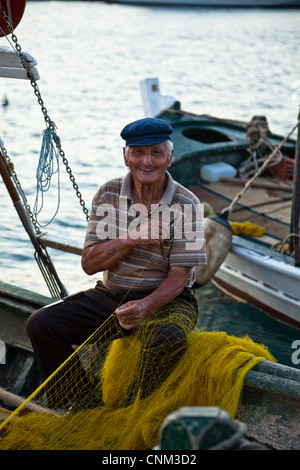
[238, 228]
[119, 412]
[246, 228]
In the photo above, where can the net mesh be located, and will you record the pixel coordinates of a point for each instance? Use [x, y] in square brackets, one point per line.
[131, 384]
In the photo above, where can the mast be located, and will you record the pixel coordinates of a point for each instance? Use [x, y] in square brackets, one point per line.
[55, 286]
[295, 215]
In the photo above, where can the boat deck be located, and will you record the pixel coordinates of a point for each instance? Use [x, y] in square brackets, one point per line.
[268, 208]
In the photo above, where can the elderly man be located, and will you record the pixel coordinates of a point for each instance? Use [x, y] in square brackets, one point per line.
[136, 236]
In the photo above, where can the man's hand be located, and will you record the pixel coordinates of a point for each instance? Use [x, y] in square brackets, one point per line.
[131, 313]
[152, 232]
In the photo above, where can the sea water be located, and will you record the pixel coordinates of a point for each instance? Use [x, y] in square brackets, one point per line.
[231, 63]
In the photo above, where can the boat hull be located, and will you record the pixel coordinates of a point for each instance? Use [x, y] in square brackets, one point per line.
[270, 405]
[18, 369]
[258, 278]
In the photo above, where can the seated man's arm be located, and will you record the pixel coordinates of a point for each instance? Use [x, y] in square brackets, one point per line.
[106, 254]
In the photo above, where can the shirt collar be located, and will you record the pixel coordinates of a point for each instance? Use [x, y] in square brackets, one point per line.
[167, 197]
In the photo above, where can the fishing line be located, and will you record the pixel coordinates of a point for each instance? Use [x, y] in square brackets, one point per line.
[48, 165]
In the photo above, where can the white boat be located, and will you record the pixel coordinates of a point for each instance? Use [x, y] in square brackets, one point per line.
[252, 271]
[215, 3]
[262, 279]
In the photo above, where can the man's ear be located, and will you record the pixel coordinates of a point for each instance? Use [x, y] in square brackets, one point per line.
[125, 157]
[170, 159]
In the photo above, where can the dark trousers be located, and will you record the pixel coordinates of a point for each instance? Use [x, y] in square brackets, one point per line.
[55, 328]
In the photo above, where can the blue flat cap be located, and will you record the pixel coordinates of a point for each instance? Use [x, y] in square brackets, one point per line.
[147, 131]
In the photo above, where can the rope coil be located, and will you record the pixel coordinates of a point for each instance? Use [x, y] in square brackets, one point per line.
[48, 165]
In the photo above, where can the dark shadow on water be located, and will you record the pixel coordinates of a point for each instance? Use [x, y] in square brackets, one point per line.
[219, 312]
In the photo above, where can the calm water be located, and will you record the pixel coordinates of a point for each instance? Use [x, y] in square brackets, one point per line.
[91, 58]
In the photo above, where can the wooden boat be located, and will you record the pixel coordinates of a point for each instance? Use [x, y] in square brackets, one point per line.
[270, 401]
[258, 270]
[270, 404]
[214, 3]
[18, 371]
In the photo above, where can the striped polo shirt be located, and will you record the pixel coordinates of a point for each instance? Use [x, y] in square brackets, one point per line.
[113, 213]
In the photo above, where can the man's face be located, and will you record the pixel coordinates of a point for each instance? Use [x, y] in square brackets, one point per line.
[148, 163]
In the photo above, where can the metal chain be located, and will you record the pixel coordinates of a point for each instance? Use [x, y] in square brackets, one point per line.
[48, 121]
[11, 169]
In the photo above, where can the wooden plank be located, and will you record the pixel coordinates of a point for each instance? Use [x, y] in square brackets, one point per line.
[16, 305]
[4, 414]
[12, 72]
[258, 184]
[25, 296]
[10, 58]
[270, 405]
[12, 327]
[61, 244]
[16, 401]
[11, 65]
[271, 419]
